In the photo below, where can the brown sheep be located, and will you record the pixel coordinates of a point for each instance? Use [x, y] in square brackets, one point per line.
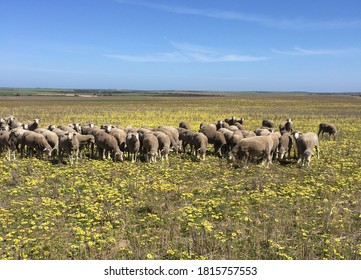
[108, 145]
[200, 142]
[150, 147]
[68, 143]
[305, 143]
[328, 128]
[32, 140]
[132, 145]
[252, 148]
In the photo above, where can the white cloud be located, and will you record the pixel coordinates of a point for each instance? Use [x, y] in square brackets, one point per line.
[185, 52]
[308, 52]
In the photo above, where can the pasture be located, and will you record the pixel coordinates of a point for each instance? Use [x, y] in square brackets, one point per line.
[183, 208]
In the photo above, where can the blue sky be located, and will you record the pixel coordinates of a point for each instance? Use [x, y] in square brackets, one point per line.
[238, 45]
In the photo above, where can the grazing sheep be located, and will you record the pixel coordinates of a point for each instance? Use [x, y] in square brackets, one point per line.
[163, 144]
[120, 135]
[67, 128]
[32, 140]
[16, 136]
[175, 143]
[184, 125]
[286, 126]
[233, 120]
[86, 142]
[216, 138]
[133, 145]
[248, 134]
[305, 143]
[4, 143]
[228, 134]
[221, 124]
[87, 129]
[252, 148]
[69, 144]
[200, 142]
[262, 132]
[268, 123]
[56, 130]
[276, 141]
[187, 139]
[328, 128]
[236, 137]
[233, 127]
[150, 147]
[285, 146]
[51, 137]
[107, 144]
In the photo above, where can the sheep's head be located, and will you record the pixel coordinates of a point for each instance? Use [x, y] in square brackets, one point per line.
[296, 134]
[51, 127]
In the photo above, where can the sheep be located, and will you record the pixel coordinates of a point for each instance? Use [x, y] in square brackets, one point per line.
[16, 136]
[77, 127]
[13, 122]
[268, 123]
[150, 147]
[216, 138]
[262, 131]
[328, 128]
[233, 120]
[33, 140]
[56, 130]
[305, 143]
[200, 142]
[70, 144]
[285, 146]
[4, 125]
[175, 143]
[228, 134]
[67, 128]
[236, 137]
[276, 141]
[87, 129]
[286, 126]
[4, 143]
[248, 134]
[184, 125]
[106, 143]
[221, 124]
[187, 139]
[252, 148]
[133, 145]
[51, 137]
[233, 127]
[163, 144]
[86, 142]
[120, 135]
[34, 125]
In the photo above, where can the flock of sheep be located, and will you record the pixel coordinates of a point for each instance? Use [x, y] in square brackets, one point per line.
[228, 137]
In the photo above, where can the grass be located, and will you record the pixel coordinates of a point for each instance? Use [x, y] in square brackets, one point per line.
[183, 209]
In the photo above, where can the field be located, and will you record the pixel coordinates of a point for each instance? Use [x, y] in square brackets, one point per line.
[185, 209]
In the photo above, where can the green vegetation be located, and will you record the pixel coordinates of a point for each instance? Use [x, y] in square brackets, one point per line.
[184, 209]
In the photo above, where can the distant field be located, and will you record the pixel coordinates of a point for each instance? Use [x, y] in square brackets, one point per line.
[184, 209]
